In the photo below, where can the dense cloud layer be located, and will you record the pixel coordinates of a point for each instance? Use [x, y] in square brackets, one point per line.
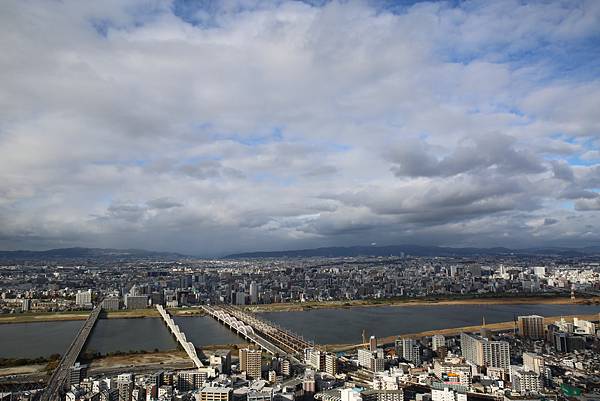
[250, 125]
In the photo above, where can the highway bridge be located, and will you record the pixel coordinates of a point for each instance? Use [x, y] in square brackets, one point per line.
[187, 346]
[56, 385]
[265, 334]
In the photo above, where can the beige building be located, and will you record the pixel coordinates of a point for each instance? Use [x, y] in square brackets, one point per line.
[214, 394]
[250, 362]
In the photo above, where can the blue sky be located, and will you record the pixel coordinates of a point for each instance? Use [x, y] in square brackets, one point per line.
[222, 126]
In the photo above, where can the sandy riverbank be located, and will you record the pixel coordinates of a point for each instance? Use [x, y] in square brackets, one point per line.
[457, 330]
[292, 307]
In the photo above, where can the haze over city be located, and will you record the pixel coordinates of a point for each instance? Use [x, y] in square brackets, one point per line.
[223, 126]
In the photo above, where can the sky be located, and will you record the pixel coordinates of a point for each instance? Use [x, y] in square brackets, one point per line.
[211, 127]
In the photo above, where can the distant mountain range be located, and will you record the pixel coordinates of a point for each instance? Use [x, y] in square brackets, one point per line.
[63, 254]
[102, 254]
[418, 250]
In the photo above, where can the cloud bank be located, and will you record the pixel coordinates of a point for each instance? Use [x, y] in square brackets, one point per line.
[215, 127]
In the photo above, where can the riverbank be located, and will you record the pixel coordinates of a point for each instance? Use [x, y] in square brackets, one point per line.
[304, 306]
[82, 315]
[502, 326]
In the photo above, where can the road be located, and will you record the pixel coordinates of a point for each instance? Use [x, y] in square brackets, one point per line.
[61, 373]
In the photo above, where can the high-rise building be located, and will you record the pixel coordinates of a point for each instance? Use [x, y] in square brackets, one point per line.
[25, 305]
[253, 292]
[525, 381]
[531, 327]
[372, 344]
[136, 301]
[78, 373]
[534, 363]
[411, 350]
[382, 395]
[110, 303]
[484, 352]
[286, 368]
[331, 364]
[125, 386]
[438, 341]
[83, 298]
[250, 362]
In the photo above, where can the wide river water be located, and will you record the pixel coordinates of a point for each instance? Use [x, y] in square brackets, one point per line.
[324, 326]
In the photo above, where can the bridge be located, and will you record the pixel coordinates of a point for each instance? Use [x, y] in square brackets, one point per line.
[265, 334]
[187, 346]
[56, 385]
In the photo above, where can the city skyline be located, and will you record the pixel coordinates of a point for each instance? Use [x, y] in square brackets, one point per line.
[209, 128]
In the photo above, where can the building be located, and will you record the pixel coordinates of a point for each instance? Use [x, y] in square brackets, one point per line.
[534, 363]
[83, 298]
[125, 386]
[136, 301]
[188, 380]
[484, 352]
[78, 373]
[214, 394]
[453, 371]
[531, 326]
[382, 395]
[286, 367]
[411, 351]
[250, 362]
[111, 303]
[438, 341]
[525, 381]
[448, 393]
[264, 394]
[331, 364]
[25, 305]
[253, 292]
[372, 344]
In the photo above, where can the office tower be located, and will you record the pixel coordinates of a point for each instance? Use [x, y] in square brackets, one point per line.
[411, 350]
[214, 394]
[484, 352]
[438, 341]
[125, 386]
[331, 364]
[531, 327]
[136, 301]
[372, 344]
[253, 292]
[250, 362]
[110, 303]
[83, 298]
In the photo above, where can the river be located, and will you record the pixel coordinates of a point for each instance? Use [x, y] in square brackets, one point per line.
[324, 326]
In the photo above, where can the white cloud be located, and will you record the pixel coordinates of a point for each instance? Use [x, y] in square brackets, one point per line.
[282, 125]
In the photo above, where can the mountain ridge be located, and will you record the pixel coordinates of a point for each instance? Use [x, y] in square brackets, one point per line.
[417, 250]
